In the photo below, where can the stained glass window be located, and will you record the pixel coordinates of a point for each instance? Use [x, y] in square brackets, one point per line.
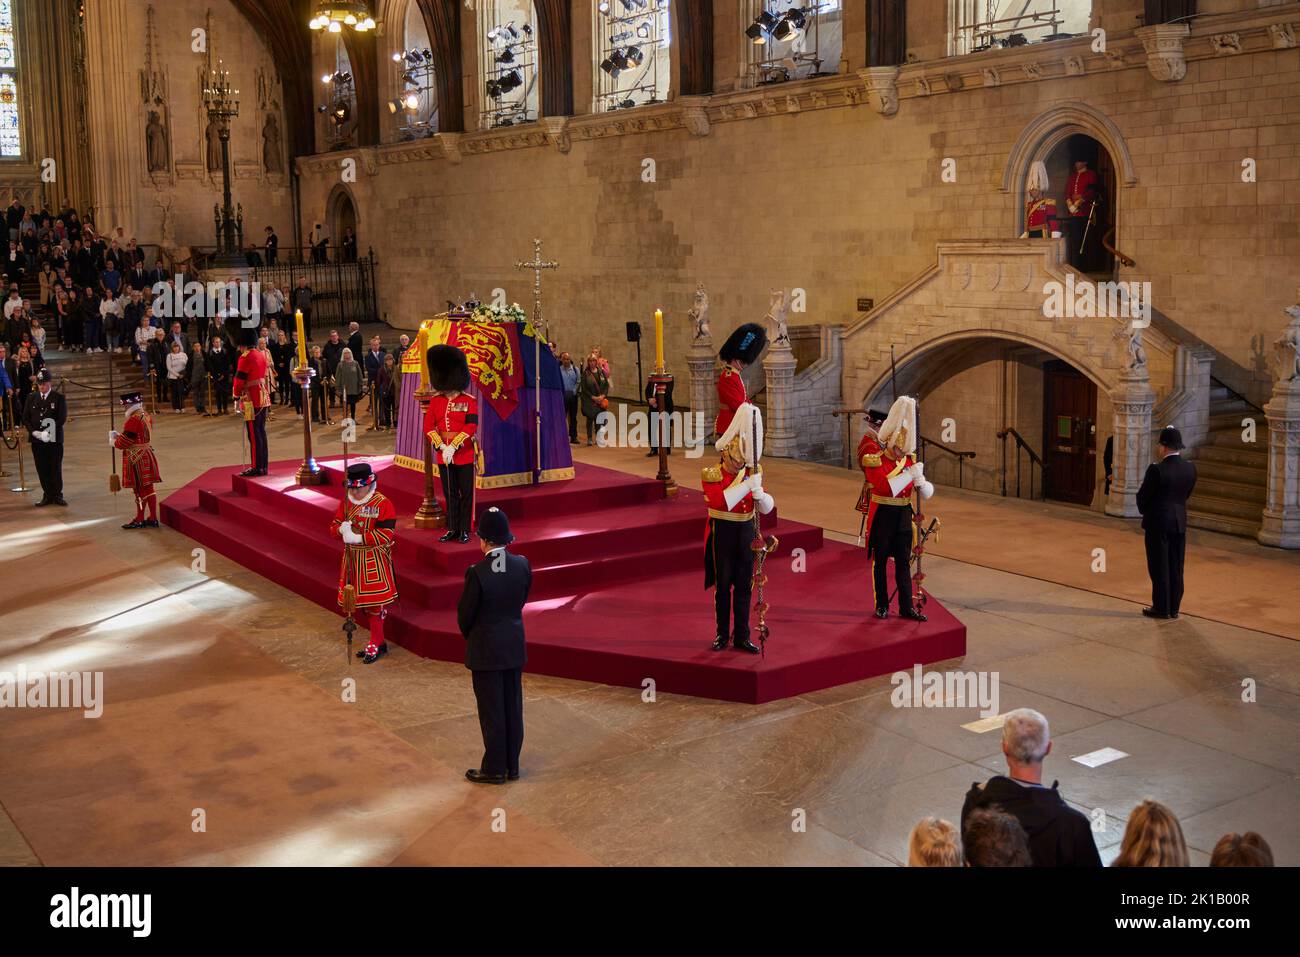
[11, 141]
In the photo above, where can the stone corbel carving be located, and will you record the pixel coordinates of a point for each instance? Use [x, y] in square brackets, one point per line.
[557, 132]
[370, 161]
[1163, 42]
[1225, 44]
[449, 143]
[1115, 58]
[882, 88]
[1074, 66]
[695, 114]
[923, 86]
[954, 81]
[1033, 71]
[1283, 35]
[792, 104]
[991, 76]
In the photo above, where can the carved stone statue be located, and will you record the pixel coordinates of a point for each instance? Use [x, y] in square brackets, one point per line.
[156, 142]
[776, 313]
[213, 136]
[1137, 356]
[1289, 365]
[699, 313]
[272, 159]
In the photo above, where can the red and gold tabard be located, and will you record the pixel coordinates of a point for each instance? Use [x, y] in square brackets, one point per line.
[1041, 219]
[731, 396]
[250, 382]
[139, 464]
[368, 567]
[453, 421]
[716, 479]
[1081, 193]
[879, 468]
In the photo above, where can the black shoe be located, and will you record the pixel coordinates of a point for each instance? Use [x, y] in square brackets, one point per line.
[512, 776]
[379, 653]
[464, 538]
[1152, 613]
[151, 523]
[134, 523]
[478, 777]
[744, 644]
[652, 454]
[720, 643]
[60, 500]
[882, 612]
[449, 536]
[913, 616]
[249, 473]
[43, 502]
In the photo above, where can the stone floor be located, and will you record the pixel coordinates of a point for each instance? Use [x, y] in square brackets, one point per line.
[235, 729]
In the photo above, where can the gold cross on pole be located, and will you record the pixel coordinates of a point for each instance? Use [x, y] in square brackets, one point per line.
[537, 265]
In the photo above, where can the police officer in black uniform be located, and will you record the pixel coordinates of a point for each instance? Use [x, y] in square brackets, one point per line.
[44, 415]
[1162, 500]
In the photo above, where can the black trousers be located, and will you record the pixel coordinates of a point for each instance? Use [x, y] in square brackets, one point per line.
[221, 393]
[733, 563]
[257, 440]
[657, 423]
[1165, 554]
[49, 468]
[500, 697]
[458, 491]
[891, 537]
[571, 410]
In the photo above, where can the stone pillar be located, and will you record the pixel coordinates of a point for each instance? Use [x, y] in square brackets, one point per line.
[1281, 526]
[779, 435]
[1132, 401]
[700, 360]
[1193, 366]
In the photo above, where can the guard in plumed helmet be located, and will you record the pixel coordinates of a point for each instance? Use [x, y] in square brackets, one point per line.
[254, 400]
[734, 491]
[139, 463]
[451, 424]
[891, 474]
[1042, 220]
[742, 348]
[366, 522]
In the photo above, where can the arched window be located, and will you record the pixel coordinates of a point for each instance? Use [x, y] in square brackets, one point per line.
[632, 57]
[416, 103]
[793, 39]
[340, 106]
[978, 25]
[507, 31]
[11, 136]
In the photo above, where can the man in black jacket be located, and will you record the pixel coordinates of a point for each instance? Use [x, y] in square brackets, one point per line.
[490, 615]
[1059, 836]
[655, 421]
[1162, 500]
[44, 415]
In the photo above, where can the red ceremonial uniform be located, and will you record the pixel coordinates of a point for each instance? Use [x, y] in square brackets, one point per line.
[716, 480]
[879, 468]
[368, 567]
[1081, 193]
[869, 446]
[453, 421]
[731, 396]
[1041, 219]
[250, 381]
[139, 464]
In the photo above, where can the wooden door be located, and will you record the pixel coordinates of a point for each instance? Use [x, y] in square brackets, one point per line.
[1069, 433]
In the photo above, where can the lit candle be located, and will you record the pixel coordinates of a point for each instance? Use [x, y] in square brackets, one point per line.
[659, 340]
[302, 340]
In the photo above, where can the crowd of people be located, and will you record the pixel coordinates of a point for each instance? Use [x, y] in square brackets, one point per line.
[1015, 820]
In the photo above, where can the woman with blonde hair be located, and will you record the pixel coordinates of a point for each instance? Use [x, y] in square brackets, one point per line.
[934, 843]
[1153, 838]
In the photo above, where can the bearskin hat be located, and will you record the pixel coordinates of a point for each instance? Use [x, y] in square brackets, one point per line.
[246, 332]
[746, 344]
[448, 369]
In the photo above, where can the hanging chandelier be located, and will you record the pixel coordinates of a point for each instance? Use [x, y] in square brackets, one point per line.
[333, 15]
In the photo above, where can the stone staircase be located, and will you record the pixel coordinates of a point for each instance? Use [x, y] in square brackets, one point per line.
[84, 379]
[1232, 475]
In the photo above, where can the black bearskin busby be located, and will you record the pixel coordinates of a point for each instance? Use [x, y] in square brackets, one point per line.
[448, 369]
[746, 344]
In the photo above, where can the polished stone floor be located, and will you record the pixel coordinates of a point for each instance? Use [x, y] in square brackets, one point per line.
[235, 730]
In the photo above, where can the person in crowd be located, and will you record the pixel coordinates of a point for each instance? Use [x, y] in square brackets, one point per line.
[144, 334]
[177, 360]
[271, 382]
[25, 341]
[14, 302]
[331, 353]
[198, 373]
[220, 330]
[348, 246]
[220, 363]
[132, 312]
[374, 359]
[15, 263]
[92, 320]
[604, 364]
[139, 279]
[403, 343]
[7, 392]
[178, 336]
[1059, 835]
[934, 842]
[272, 247]
[993, 838]
[386, 390]
[44, 413]
[283, 359]
[157, 351]
[111, 316]
[110, 279]
[300, 301]
[320, 246]
[273, 305]
[48, 277]
[490, 616]
[347, 379]
[1162, 501]
[38, 335]
[14, 216]
[354, 340]
[593, 391]
[253, 256]
[318, 362]
[1242, 850]
[26, 368]
[157, 276]
[660, 418]
[1152, 838]
[569, 376]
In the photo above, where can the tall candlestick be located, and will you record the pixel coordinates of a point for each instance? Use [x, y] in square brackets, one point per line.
[659, 340]
[302, 340]
[422, 343]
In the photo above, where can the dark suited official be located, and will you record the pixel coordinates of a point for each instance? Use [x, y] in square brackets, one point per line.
[44, 415]
[667, 410]
[1162, 500]
[490, 615]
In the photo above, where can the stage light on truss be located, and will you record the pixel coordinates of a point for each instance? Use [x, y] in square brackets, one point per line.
[506, 56]
[325, 78]
[762, 26]
[608, 66]
[394, 106]
[635, 55]
[512, 80]
[493, 34]
[335, 27]
[603, 7]
[397, 57]
[411, 101]
[643, 31]
[494, 89]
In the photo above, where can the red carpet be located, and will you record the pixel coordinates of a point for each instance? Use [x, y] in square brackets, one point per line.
[618, 581]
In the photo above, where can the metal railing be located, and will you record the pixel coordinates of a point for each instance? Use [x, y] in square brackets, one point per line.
[1034, 460]
[959, 454]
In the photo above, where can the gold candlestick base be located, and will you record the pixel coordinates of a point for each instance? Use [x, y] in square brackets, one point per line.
[309, 472]
[430, 513]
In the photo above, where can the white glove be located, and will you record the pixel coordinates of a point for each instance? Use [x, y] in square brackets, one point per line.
[448, 453]
[755, 483]
[764, 502]
[112, 437]
[349, 536]
[917, 472]
[43, 436]
[925, 488]
[1056, 234]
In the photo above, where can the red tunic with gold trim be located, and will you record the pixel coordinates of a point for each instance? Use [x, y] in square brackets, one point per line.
[139, 464]
[368, 567]
[1081, 193]
[869, 446]
[715, 480]
[731, 396]
[453, 421]
[879, 468]
[1041, 219]
[250, 382]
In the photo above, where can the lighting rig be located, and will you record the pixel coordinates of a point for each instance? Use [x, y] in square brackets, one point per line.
[633, 31]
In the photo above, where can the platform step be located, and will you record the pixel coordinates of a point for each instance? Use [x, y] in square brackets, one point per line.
[1215, 505]
[1223, 523]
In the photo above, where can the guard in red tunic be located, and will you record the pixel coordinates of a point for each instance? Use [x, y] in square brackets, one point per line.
[451, 424]
[890, 474]
[742, 348]
[734, 491]
[1041, 218]
[139, 464]
[366, 522]
[254, 400]
[1082, 191]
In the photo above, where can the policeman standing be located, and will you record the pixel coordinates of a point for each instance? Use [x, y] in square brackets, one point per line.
[44, 416]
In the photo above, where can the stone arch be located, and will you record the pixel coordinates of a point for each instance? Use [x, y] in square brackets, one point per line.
[341, 210]
[1047, 130]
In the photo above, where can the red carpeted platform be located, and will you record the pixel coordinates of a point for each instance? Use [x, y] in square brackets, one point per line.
[618, 582]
